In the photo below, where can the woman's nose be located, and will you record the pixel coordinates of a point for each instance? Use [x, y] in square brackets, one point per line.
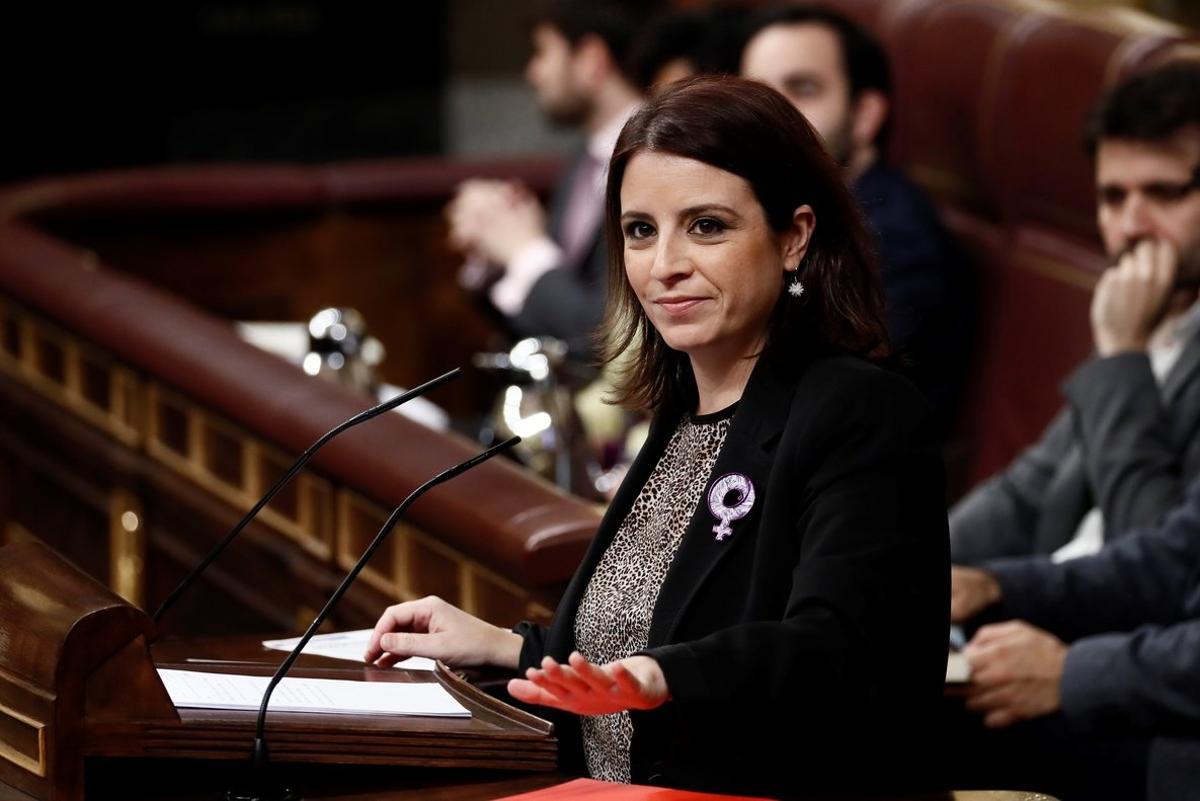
[671, 261]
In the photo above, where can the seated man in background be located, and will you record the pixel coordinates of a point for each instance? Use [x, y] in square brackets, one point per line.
[681, 43]
[546, 275]
[838, 77]
[1118, 456]
[1091, 686]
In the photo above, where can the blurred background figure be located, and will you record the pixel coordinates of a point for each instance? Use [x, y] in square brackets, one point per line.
[544, 271]
[678, 44]
[838, 76]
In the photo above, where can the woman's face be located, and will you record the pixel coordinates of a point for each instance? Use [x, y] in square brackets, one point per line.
[700, 255]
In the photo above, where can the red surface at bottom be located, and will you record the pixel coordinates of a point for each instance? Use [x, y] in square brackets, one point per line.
[592, 790]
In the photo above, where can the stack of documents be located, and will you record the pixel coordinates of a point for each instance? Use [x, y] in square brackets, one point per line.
[228, 691]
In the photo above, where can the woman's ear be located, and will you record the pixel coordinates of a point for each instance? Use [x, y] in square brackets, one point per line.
[796, 238]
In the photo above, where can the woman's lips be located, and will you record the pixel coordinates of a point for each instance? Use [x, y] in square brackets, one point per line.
[677, 307]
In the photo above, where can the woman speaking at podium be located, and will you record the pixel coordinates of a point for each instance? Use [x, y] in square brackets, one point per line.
[764, 607]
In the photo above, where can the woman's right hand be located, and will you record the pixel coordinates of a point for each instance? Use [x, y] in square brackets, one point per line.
[432, 628]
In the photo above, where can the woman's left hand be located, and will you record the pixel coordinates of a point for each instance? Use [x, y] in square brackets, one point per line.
[636, 682]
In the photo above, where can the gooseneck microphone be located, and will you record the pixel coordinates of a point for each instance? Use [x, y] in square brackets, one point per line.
[361, 417]
[261, 789]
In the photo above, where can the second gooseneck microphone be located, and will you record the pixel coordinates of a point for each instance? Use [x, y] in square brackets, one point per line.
[261, 786]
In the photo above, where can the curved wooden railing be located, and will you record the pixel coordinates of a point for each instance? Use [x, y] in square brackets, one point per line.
[183, 414]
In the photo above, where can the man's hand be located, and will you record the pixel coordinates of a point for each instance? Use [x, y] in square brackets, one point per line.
[494, 219]
[1016, 673]
[1132, 297]
[583, 688]
[971, 591]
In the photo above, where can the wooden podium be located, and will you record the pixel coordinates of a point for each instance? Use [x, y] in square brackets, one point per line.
[78, 681]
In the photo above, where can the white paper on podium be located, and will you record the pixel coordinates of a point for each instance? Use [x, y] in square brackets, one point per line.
[349, 645]
[199, 690]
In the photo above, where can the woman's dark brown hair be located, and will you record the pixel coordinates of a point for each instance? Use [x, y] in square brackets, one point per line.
[750, 130]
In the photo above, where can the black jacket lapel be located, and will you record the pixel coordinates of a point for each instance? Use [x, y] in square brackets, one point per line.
[562, 637]
[752, 437]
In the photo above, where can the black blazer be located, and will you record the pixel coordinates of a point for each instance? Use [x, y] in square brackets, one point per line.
[795, 647]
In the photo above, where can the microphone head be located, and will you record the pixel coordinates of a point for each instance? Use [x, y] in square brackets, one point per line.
[340, 349]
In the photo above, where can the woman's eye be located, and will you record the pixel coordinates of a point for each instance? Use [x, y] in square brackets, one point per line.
[707, 226]
[638, 230]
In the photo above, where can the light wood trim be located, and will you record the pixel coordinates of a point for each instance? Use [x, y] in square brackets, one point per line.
[128, 406]
[200, 423]
[316, 513]
[346, 502]
[155, 395]
[28, 340]
[313, 529]
[197, 453]
[72, 371]
[127, 546]
[402, 556]
[24, 761]
[468, 598]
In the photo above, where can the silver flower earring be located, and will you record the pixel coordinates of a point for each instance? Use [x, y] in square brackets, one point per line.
[794, 287]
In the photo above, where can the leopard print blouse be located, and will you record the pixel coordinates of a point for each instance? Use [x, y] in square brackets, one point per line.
[613, 620]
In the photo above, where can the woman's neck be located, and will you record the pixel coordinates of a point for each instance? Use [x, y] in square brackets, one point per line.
[721, 382]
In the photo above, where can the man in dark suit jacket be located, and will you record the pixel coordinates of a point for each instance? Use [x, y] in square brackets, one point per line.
[838, 77]
[547, 277]
[1128, 442]
[1102, 653]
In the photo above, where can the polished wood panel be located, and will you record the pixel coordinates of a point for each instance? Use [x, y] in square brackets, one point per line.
[78, 680]
[183, 459]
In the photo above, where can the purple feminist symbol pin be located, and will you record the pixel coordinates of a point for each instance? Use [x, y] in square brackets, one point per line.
[730, 498]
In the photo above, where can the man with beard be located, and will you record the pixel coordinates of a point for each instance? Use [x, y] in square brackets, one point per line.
[1087, 672]
[545, 273]
[838, 77]
[1128, 442]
